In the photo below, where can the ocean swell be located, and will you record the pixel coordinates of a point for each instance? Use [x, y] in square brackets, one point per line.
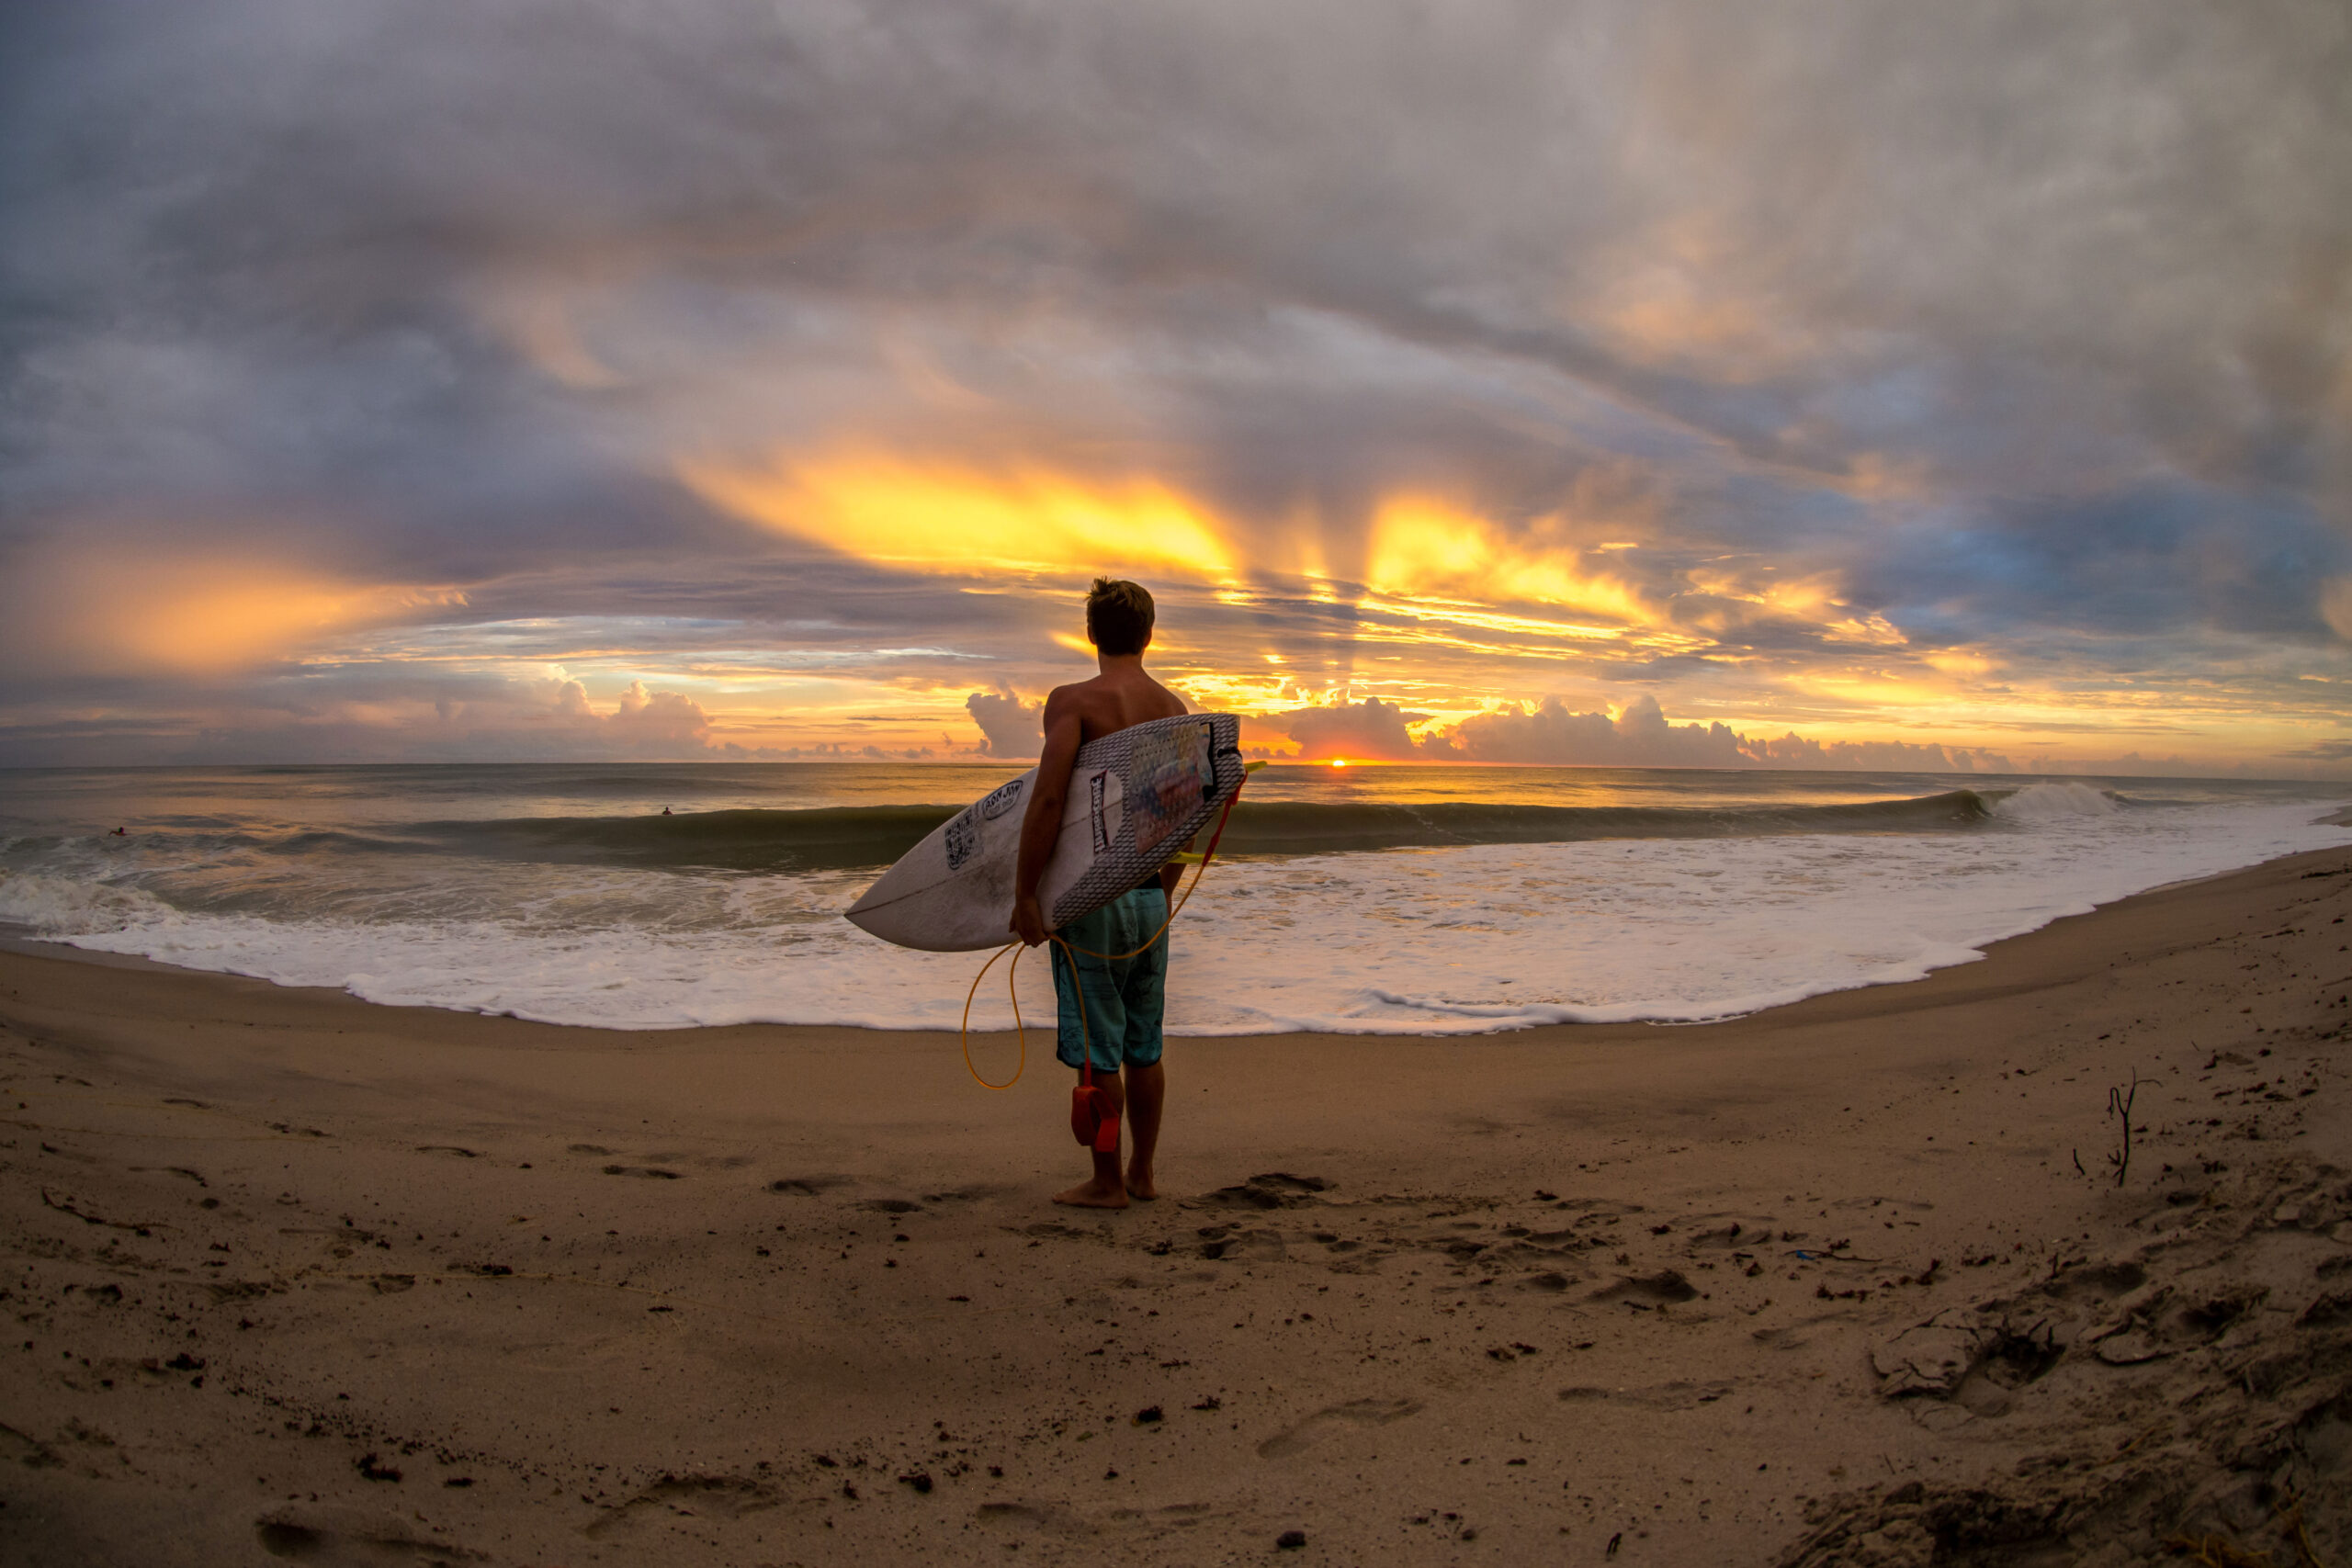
[846, 838]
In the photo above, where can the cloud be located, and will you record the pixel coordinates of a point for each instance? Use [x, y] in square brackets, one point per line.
[654, 722]
[1009, 727]
[1750, 350]
[1792, 750]
[1369, 730]
[1639, 736]
[134, 600]
[550, 719]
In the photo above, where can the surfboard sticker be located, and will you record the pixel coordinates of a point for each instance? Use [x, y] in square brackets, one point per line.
[1003, 798]
[1170, 770]
[1135, 796]
[963, 839]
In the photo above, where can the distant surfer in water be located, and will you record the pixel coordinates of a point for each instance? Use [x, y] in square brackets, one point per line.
[1125, 998]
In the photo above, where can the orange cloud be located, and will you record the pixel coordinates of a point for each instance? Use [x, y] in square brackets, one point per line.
[120, 609]
[958, 519]
[1423, 548]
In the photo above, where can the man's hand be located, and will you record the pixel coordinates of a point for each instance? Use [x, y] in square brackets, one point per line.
[1028, 920]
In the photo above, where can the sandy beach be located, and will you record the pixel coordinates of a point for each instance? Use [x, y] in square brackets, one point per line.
[292, 1276]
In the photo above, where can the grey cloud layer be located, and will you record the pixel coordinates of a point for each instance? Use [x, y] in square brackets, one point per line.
[435, 290]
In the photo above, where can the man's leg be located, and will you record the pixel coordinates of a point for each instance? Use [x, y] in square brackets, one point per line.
[1144, 996]
[1146, 1094]
[1104, 1190]
[1091, 1018]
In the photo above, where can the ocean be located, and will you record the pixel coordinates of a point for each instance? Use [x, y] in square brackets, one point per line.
[1393, 899]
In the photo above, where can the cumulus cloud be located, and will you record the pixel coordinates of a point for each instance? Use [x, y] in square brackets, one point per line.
[1009, 727]
[1639, 735]
[548, 719]
[1369, 730]
[1793, 750]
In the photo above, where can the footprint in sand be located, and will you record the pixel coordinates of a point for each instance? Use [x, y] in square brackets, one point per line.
[2098, 1282]
[1033, 1516]
[809, 1186]
[335, 1535]
[720, 1496]
[1272, 1190]
[971, 1193]
[1660, 1288]
[1659, 1396]
[1334, 1418]
[1721, 1231]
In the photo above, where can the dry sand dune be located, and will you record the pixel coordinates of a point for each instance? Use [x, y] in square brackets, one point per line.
[292, 1277]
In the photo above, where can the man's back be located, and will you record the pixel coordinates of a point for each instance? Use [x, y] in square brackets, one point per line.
[1110, 702]
[1118, 622]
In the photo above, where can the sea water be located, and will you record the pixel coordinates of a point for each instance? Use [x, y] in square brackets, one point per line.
[1413, 900]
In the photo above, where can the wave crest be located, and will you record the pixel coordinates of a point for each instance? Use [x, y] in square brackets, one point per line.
[2052, 802]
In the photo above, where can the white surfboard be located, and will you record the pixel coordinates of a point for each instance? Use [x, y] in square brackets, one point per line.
[1135, 797]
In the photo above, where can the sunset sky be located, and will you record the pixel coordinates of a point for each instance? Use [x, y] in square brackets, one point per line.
[1651, 383]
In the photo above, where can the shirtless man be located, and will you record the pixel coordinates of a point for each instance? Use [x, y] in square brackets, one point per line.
[1123, 998]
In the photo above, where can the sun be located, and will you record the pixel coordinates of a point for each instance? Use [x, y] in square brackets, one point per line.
[1339, 762]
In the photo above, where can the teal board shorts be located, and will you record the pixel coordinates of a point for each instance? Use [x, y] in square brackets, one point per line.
[1125, 997]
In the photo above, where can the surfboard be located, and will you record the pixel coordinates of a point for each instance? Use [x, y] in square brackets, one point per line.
[1135, 797]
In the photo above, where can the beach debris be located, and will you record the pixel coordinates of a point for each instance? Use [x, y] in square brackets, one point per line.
[1291, 1541]
[2119, 1105]
[918, 1479]
[67, 1206]
[371, 1471]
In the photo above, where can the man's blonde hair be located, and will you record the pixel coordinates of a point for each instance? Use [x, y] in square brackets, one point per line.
[1118, 615]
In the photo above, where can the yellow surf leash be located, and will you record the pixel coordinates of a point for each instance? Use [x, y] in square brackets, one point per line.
[1200, 864]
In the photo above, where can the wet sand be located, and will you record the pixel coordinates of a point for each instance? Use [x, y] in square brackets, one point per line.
[289, 1276]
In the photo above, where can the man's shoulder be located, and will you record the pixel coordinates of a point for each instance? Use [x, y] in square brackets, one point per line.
[1079, 694]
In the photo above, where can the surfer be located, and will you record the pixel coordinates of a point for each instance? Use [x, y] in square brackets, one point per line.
[1122, 997]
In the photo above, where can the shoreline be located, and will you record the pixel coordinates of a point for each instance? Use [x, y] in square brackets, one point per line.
[724, 1294]
[19, 939]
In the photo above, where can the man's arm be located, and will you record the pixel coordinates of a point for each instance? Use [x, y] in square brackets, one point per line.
[1042, 823]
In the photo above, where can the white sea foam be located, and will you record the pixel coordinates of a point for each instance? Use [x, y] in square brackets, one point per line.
[1423, 942]
[2049, 801]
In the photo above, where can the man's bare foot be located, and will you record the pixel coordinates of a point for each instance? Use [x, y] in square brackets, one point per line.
[1094, 1195]
[1140, 1186]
